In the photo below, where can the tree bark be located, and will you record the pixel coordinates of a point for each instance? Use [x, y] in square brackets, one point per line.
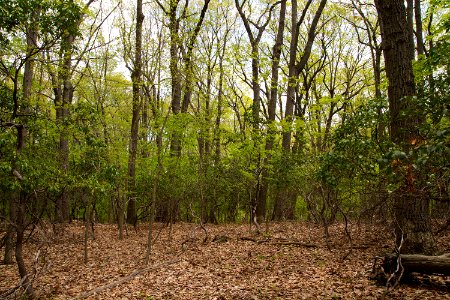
[174, 24]
[188, 70]
[136, 78]
[411, 206]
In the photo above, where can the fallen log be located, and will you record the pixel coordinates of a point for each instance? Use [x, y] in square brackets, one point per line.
[417, 263]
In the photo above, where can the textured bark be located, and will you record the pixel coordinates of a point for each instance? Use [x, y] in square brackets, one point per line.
[136, 78]
[63, 99]
[174, 24]
[411, 206]
[410, 22]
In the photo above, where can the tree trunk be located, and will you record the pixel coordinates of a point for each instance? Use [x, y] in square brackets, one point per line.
[11, 230]
[63, 89]
[285, 199]
[136, 78]
[258, 203]
[419, 28]
[271, 107]
[20, 228]
[175, 144]
[411, 207]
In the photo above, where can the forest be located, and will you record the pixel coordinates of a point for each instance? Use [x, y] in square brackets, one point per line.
[145, 143]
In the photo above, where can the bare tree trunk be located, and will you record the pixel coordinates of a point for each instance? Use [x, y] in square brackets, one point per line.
[419, 28]
[175, 145]
[63, 89]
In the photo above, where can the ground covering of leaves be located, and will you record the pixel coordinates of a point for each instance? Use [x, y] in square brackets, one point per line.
[290, 261]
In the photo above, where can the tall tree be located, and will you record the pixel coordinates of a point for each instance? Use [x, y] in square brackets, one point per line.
[136, 77]
[180, 51]
[284, 203]
[273, 99]
[258, 203]
[180, 103]
[63, 90]
[411, 206]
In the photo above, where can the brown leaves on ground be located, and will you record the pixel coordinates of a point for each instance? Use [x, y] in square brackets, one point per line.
[291, 261]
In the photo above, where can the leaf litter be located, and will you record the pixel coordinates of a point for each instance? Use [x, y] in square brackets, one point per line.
[290, 261]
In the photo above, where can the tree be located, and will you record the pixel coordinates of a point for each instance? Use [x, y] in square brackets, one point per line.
[258, 201]
[181, 91]
[136, 77]
[411, 206]
[285, 201]
[271, 106]
[63, 89]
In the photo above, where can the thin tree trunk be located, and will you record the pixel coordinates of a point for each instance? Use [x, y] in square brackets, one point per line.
[419, 28]
[284, 199]
[258, 204]
[136, 78]
[10, 231]
[271, 107]
[20, 228]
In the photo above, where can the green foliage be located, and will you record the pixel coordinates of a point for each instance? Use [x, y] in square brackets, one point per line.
[53, 17]
[357, 146]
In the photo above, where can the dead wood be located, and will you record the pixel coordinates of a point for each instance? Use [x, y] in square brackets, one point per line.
[295, 243]
[417, 263]
[282, 242]
[124, 279]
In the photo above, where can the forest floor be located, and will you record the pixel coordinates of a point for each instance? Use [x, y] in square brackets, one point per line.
[291, 261]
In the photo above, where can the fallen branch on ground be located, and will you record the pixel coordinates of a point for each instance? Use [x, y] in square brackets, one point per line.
[279, 242]
[295, 243]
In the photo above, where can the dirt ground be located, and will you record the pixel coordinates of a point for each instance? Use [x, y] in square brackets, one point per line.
[290, 261]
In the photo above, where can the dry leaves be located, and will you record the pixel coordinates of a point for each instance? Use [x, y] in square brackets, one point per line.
[243, 267]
